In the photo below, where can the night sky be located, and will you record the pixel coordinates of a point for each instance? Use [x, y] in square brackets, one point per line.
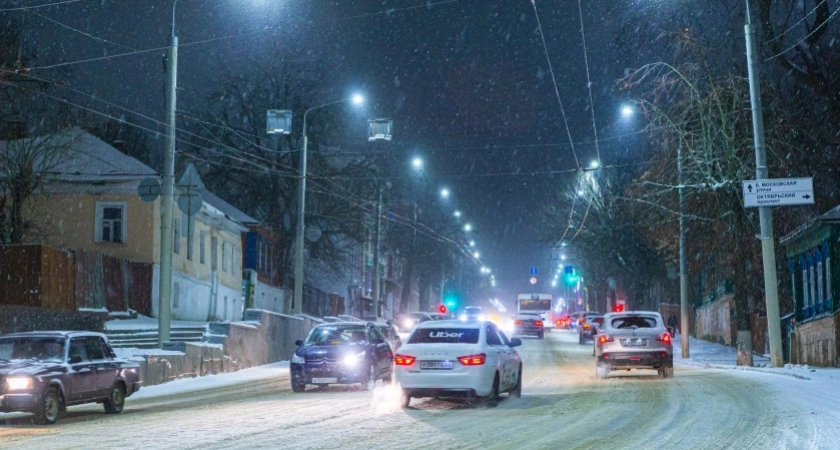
[466, 82]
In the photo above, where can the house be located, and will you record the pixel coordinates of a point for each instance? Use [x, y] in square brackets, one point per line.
[92, 204]
[813, 331]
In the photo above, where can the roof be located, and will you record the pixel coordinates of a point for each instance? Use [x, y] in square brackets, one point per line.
[88, 158]
[226, 208]
[65, 334]
[452, 324]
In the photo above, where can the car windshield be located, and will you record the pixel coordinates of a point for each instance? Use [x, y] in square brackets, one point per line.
[337, 335]
[444, 336]
[472, 310]
[39, 348]
[633, 321]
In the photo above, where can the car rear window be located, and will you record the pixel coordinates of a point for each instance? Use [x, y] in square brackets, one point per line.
[598, 320]
[444, 336]
[634, 321]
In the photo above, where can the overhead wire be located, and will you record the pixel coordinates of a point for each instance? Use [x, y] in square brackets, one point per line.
[796, 44]
[23, 8]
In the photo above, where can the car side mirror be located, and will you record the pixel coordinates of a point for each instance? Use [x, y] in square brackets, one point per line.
[299, 343]
[515, 342]
[75, 359]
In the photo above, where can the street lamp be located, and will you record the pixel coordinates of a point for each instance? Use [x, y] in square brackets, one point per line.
[457, 213]
[417, 163]
[444, 193]
[627, 111]
[297, 307]
[468, 227]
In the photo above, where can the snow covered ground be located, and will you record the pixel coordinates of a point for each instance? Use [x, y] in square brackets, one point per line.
[210, 382]
[147, 323]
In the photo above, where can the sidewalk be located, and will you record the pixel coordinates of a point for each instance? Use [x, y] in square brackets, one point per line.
[711, 355]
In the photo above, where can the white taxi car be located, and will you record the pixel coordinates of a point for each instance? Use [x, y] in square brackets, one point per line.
[455, 359]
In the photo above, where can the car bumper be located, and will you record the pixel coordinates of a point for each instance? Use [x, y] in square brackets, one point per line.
[18, 402]
[636, 360]
[528, 330]
[344, 374]
[445, 383]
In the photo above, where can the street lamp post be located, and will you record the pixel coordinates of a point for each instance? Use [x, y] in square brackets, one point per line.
[297, 304]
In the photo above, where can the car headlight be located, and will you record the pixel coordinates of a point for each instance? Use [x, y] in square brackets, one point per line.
[481, 318]
[17, 384]
[463, 317]
[408, 323]
[352, 360]
[297, 359]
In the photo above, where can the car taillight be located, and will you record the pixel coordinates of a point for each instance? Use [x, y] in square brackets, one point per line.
[586, 325]
[604, 338]
[517, 322]
[473, 360]
[664, 337]
[538, 323]
[404, 360]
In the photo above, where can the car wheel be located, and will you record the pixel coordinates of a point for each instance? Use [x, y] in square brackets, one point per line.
[601, 371]
[405, 398]
[370, 384]
[47, 410]
[493, 399]
[668, 372]
[115, 403]
[298, 387]
[517, 389]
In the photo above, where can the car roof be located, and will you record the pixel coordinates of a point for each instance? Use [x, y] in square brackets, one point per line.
[632, 313]
[346, 324]
[65, 334]
[451, 324]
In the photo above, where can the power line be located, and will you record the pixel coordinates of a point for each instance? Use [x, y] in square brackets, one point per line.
[24, 8]
[81, 32]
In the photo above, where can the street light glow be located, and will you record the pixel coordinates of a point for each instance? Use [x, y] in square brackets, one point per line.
[476, 255]
[472, 243]
[594, 164]
[417, 163]
[445, 194]
[627, 111]
[468, 227]
[457, 213]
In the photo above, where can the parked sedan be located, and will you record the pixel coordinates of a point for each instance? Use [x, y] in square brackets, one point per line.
[457, 359]
[589, 328]
[341, 353]
[530, 324]
[634, 340]
[45, 372]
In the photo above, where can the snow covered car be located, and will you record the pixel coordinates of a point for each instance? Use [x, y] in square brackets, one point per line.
[45, 372]
[341, 353]
[634, 340]
[455, 359]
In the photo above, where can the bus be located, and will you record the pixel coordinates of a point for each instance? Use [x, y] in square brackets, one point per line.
[536, 303]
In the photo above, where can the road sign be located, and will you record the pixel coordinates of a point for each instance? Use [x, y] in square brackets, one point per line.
[149, 189]
[778, 192]
[533, 280]
[533, 271]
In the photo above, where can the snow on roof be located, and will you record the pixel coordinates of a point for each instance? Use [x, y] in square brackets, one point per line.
[226, 208]
[88, 159]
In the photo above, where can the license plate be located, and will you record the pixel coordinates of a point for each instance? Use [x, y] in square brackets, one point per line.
[436, 365]
[637, 342]
[324, 380]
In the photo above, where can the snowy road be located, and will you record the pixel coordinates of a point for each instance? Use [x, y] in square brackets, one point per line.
[563, 406]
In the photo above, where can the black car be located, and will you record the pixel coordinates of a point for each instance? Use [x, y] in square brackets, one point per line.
[589, 328]
[44, 372]
[390, 332]
[529, 324]
[342, 353]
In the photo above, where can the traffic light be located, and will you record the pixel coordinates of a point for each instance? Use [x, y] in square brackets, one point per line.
[619, 307]
[442, 309]
[571, 277]
[450, 301]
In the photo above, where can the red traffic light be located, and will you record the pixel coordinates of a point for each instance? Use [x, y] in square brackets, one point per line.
[442, 309]
[618, 308]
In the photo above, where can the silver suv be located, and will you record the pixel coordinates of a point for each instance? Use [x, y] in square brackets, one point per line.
[634, 340]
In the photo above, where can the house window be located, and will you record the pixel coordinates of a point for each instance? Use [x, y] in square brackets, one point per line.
[224, 256]
[214, 252]
[176, 291]
[201, 247]
[188, 229]
[110, 222]
[176, 235]
[232, 258]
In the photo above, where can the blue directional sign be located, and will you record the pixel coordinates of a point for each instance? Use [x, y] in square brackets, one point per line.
[533, 271]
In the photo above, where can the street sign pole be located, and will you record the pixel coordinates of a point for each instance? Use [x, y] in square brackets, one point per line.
[768, 246]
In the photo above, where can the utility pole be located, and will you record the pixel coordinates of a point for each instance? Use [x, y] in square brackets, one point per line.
[765, 214]
[167, 192]
[376, 242]
[684, 329]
